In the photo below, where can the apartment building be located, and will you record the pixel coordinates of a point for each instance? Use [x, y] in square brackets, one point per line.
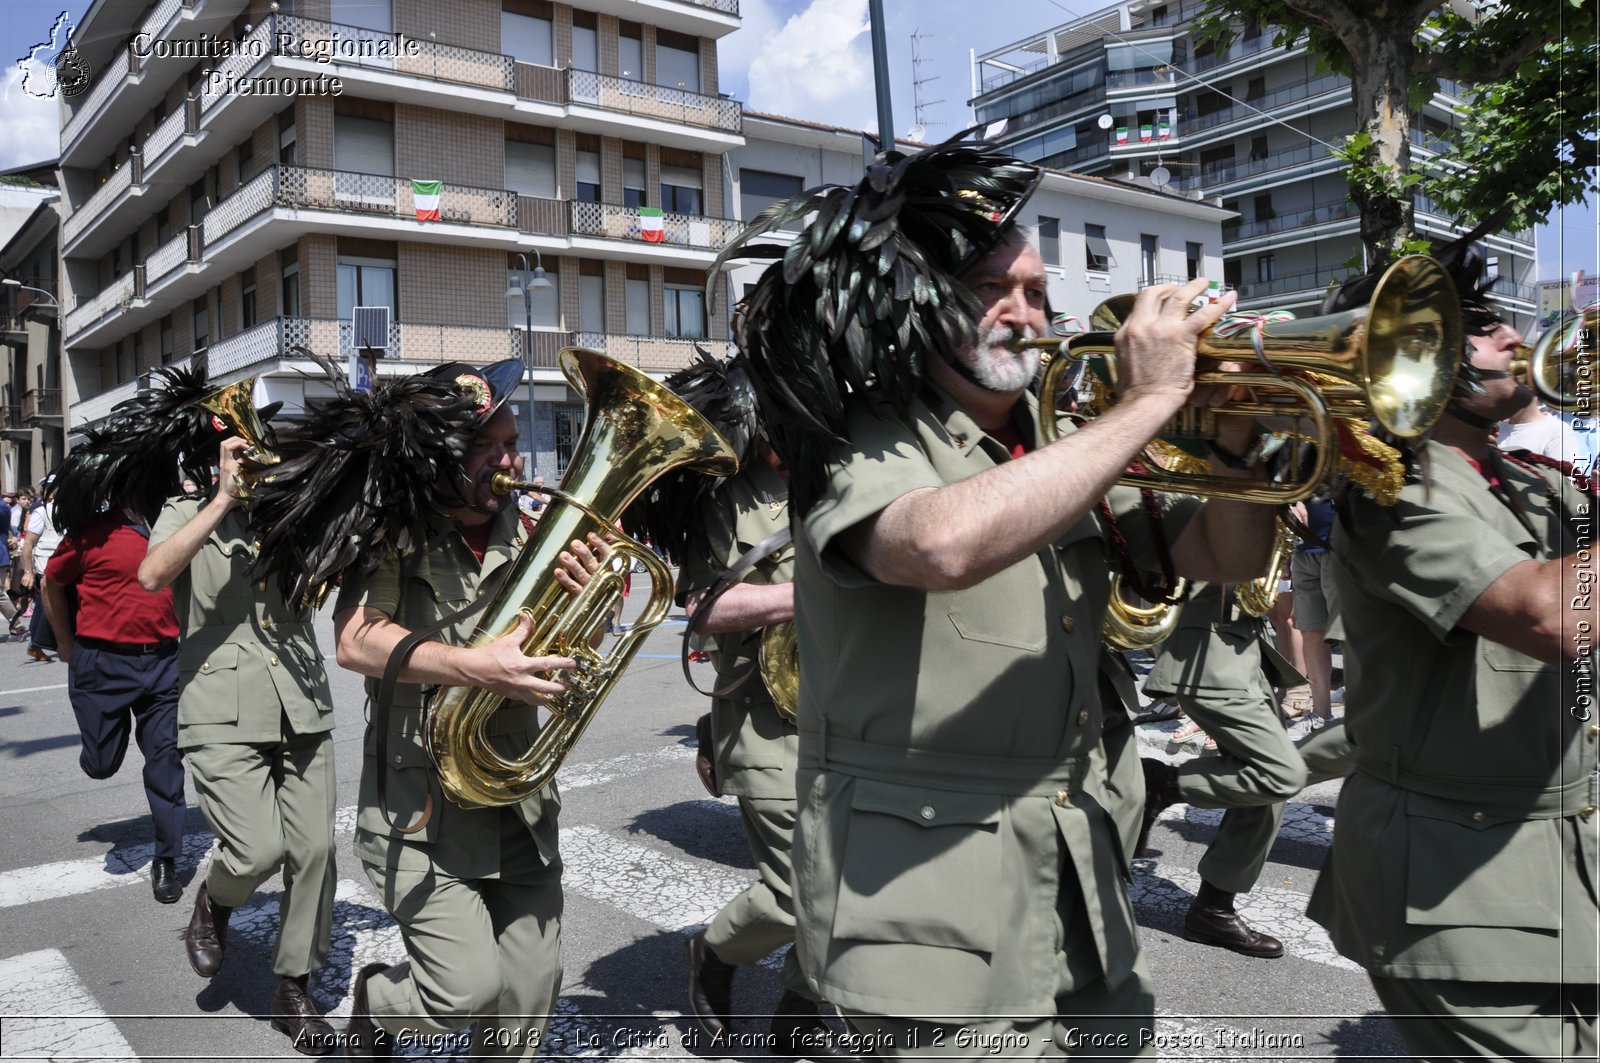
[1127, 91]
[242, 176]
[783, 156]
[31, 435]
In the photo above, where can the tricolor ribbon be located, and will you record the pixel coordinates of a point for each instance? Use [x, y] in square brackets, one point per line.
[1234, 324]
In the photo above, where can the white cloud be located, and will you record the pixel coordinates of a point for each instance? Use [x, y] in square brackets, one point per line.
[31, 130]
[818, 66]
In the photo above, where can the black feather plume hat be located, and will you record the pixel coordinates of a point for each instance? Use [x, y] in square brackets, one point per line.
[668, 512]
[139, 457]
[362, 476]
[869, 290]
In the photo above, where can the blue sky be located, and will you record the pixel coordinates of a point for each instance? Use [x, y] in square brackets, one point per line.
[804, 58]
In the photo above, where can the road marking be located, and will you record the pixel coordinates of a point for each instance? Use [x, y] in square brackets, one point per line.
[67, 878]
[50, 1014]
[32, 690]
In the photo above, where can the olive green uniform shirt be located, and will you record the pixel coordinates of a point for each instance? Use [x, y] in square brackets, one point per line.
[1459, 852]
[951, 828]
[249, 667]
[461, 843]
[755, 747]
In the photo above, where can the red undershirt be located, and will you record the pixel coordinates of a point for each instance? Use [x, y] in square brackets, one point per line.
[477, 539]
[1008, 436]
[103, 562]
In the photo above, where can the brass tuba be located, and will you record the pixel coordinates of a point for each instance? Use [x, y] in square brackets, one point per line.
[1560, 367]
[779, 660]
[235, 406]
[1128, 626]
[1257, 597]
[635, 430]
[1394, 360]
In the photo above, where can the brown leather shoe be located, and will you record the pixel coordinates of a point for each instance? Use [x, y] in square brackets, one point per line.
[295, 1014]
[710, 988]
[798, 1031]
[1160, 793]
[206, 938]
[1227, 930]
[363, 1039]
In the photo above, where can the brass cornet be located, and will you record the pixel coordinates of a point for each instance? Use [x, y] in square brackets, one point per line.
[235, 406]
[1394, 361]
[1560, 367]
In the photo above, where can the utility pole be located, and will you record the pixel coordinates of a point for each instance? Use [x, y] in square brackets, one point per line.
[880, 74]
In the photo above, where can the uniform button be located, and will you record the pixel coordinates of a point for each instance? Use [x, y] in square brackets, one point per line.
[261, 586]
[749, 699]
[1067, 624]
[206, 667]
[398, 759]
[1477, 817]
[1083, 718]
[1594, 731]
[927, 812]
[1064, 798]
[274, 662]
[266, 621]
[1586, 811]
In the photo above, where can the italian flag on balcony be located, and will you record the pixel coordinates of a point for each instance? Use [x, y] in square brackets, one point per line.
[1145, 131]
[650, 226]
[425, 196]
[1163, 130]
[1122, 134]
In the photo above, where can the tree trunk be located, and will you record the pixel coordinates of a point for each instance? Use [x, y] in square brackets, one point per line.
[1383, 61]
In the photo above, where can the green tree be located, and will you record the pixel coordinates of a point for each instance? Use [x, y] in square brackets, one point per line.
[1527, 140]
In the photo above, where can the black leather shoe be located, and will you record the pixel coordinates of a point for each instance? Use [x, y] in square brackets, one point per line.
[295, 1014]
[798, 1031]
[164, 884]
[363, 1040]
[1228, 930]
[207, 936]
[710, 987]
[1160, 792]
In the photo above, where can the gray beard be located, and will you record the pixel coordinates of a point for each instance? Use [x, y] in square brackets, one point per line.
[1003, 373]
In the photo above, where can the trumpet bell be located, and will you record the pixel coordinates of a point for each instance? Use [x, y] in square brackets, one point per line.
[1560, 367]
[234, 406]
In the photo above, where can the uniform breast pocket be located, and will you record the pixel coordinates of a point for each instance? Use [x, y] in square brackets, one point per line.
[921, 866]
[1005, 610]
[1505, 659]
[405, 779]
[210, 687]
[1466, 872]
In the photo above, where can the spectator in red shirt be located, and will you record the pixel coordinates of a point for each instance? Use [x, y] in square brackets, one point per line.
[122, 670]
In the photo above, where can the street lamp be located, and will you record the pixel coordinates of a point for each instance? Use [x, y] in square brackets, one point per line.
[12, 282]
[524, 287]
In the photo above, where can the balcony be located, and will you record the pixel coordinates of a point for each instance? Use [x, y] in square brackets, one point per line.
[12, 425]
[639, 99]
[391, 197]
[1316, 282]
[41, 406]
[1240, 49]
[611, 222]
[652, 354]
[1226, 173]
[1251, 109]
[1235, 231]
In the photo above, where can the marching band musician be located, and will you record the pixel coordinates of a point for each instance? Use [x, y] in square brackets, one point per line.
[730, 539]
[255, 716]
[1462, 874]
[955, 865]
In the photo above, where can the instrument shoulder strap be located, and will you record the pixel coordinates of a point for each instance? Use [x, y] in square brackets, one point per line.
[729, 579]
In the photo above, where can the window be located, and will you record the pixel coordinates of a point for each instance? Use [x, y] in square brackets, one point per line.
[289, 297]
[288, 147]
[247, 305]
[163, 225]
[592, 303]
[531, 169]
[1098, 251]
[138, 352]
[363, 145]
[1233, 272]
[1263, 268]
[366, 282]
[526, 39]
[633, 182]
[636, 294]
[685, 312]
[202, 325]
[585, 41]
[119, 365]
[1194, 254]
[1255, 88]
[588, 190]
[166, 340]
[1050, 240]
[677, 64]
[568, 427]
[760, 189]
[546, 302]
[680, 190]
[1258, 149]
[247, 152]
[630, 56]
[1149, 252]
[1264, 211]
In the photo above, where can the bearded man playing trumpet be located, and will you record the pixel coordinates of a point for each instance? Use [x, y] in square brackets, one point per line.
[955, 864]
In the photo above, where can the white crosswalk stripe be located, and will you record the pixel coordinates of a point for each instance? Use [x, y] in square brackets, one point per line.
[50, 1014]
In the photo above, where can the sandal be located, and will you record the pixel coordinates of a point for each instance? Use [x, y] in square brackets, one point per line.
[1188, 731]
[1297, 702]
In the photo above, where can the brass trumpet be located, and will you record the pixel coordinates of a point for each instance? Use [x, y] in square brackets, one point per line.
[1560, 367]
[235, 406]
[1394, 360]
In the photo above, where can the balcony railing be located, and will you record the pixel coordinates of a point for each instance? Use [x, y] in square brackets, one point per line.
[661, 354]
[1224, 172]
[1237, 50]
[96, 204]
[41, 404]
[678, 230]
[379, 51]
[366, 193]
[1317, 280]
[164, 136]
[727, 7]
[1077, 101]
[117, 294]
[1299, 219]
[166, 258]
[11, 420]
[1127, 79]
[1512, 290]
[645, 100]
[411, 343]
[87, 411]
[118, 69]
[1300, 90]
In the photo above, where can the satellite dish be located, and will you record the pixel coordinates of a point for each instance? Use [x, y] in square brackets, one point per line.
[916, 133]
[1161, 177]
[1105, 121]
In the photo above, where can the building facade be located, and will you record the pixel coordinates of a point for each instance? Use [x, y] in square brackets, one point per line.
[240, 177]
[1127, 91]
[31, 422]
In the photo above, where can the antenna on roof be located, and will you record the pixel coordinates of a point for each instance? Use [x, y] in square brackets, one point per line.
[920, 129]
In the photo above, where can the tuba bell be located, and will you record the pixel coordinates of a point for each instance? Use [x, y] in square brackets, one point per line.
[1257, 597]
[1394, 361]
[779, 660]
[1560, 366]
[1130, 626]
[635, 430]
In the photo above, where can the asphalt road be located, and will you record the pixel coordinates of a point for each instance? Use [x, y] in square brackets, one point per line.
[92, 968]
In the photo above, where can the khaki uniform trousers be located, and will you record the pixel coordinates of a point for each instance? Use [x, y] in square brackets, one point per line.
[762, 917]
[1328, 754]
[1092, 1023]
[1256, 771]
[453, 928]
[271, 805]
[1443, 1020]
